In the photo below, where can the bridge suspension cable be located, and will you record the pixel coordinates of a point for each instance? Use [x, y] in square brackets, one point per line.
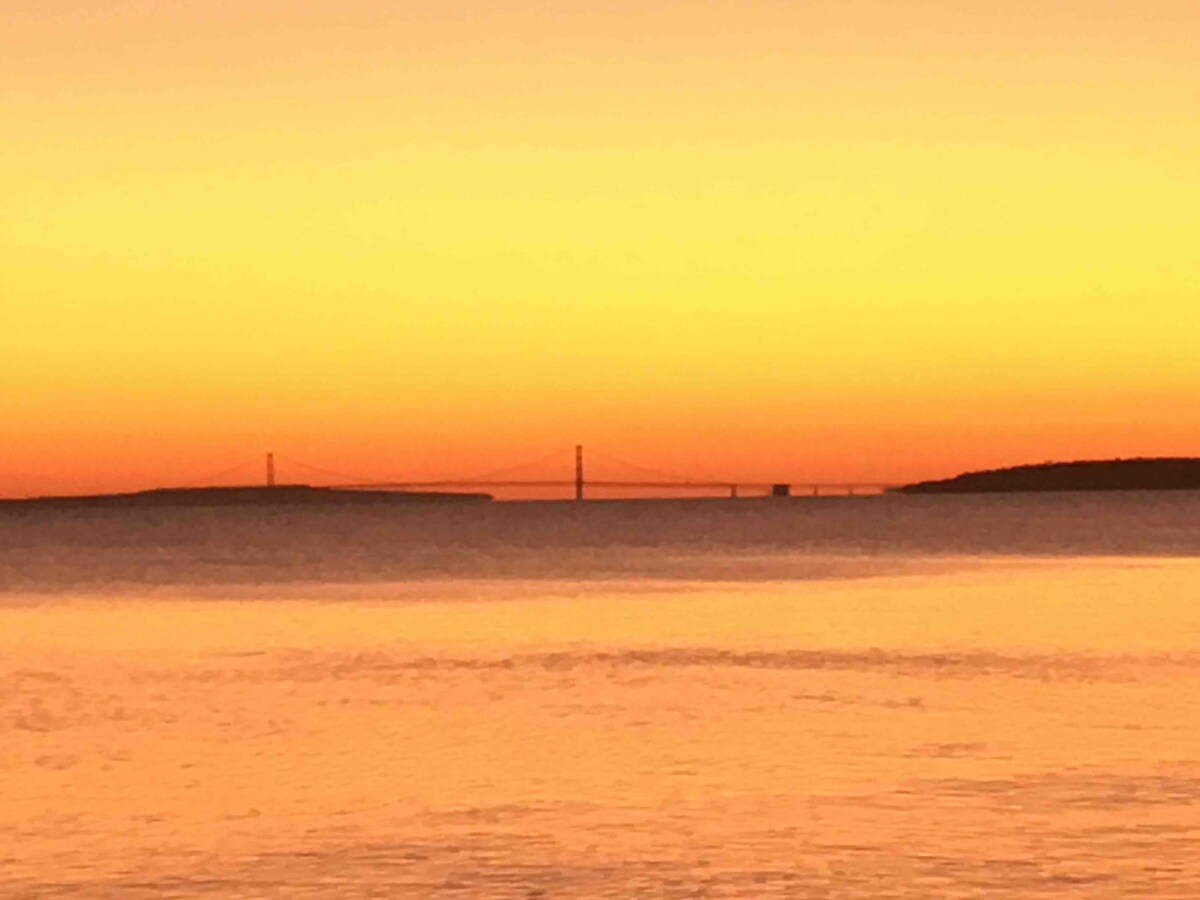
[211, 477]
[321, 470]
[359, 480]
[658, 473]
[508, 470]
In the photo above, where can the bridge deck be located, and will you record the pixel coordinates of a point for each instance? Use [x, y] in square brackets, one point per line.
[658, 485]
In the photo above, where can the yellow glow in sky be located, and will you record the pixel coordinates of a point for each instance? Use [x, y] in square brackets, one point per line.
[760, 240]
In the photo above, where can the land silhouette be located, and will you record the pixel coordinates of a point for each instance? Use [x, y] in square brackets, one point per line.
[1140, 474]
[276, 495]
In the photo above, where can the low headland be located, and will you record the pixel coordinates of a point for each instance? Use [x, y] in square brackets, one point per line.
[277, 495]
[1161, 474]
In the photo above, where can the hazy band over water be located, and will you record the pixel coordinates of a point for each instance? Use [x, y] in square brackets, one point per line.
[231, 549]
[895, 696]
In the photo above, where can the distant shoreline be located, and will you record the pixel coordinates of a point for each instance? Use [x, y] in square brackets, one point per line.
[1138, 474]
[1141, 474]
[259, 496]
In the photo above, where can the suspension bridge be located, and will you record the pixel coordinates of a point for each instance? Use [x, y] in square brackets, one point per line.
[518, 480]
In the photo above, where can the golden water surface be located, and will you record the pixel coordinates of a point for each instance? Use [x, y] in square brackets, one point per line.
[1004, 728]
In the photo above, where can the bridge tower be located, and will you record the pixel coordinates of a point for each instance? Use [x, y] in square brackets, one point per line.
[578, 471]
[270, 470]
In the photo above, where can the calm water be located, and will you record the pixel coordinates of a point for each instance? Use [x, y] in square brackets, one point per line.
[875, 697]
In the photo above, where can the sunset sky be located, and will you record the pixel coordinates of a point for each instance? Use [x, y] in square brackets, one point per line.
[862, 239]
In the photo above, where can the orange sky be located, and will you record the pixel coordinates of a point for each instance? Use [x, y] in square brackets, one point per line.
[835, 240]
